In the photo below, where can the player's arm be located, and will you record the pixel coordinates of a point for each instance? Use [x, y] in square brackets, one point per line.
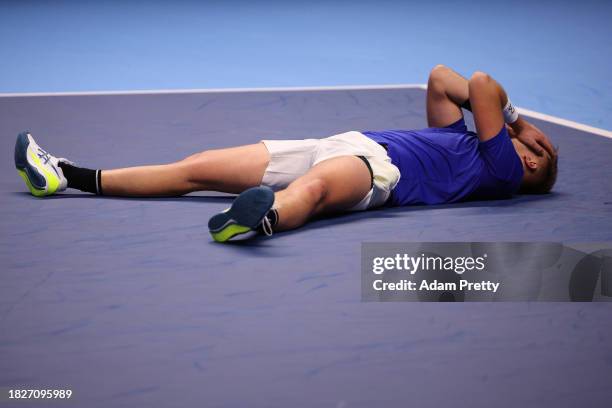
[491, 108]
[447, 92]
[488, 100]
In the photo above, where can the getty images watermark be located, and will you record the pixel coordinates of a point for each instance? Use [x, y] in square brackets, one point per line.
[412, 264]
[486, 271]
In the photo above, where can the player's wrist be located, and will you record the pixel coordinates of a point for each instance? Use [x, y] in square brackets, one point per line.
[519, 125]
[511, 115]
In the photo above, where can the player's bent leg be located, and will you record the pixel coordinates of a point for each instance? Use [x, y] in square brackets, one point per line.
[332, 186]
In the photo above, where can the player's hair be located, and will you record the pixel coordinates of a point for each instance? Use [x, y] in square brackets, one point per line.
[547, 179]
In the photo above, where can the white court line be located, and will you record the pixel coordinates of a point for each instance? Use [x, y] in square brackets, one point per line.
[222, 90]
[565, 122]
[529, 113]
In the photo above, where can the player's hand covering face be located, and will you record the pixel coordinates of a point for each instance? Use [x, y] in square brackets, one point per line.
[535, 139]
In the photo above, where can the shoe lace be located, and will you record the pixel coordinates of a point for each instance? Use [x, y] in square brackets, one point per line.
[44, 155]
[266, 226]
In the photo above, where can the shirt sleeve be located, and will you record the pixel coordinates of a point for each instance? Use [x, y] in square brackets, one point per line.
[501, 160]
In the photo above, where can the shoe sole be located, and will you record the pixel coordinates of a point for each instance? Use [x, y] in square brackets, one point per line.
[245, 214]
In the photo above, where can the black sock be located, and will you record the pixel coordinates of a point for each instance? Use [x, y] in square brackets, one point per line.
[82, 179]
[272, 216]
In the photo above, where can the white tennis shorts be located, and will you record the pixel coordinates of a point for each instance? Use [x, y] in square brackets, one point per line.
[290, 159]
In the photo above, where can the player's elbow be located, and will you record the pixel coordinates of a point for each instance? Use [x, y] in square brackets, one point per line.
[480, 78]
[439, 69]
[439, 72]
[480, 83]
[437, 78]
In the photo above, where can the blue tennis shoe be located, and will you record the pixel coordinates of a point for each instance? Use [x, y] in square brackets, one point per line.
[245, 218]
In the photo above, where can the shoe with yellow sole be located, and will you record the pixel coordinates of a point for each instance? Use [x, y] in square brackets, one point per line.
[39, 169]
[247, 216]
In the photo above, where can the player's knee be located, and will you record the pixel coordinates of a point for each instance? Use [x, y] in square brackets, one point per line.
[316, 190]
[194, 167]
[480, 78]
[193, 157]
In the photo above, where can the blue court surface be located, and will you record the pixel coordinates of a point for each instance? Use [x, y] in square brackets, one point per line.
[128, 302]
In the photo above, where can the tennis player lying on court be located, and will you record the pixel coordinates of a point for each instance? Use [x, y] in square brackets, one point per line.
[285, 183]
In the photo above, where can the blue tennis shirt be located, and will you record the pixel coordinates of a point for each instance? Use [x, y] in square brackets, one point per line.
[446, 165]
